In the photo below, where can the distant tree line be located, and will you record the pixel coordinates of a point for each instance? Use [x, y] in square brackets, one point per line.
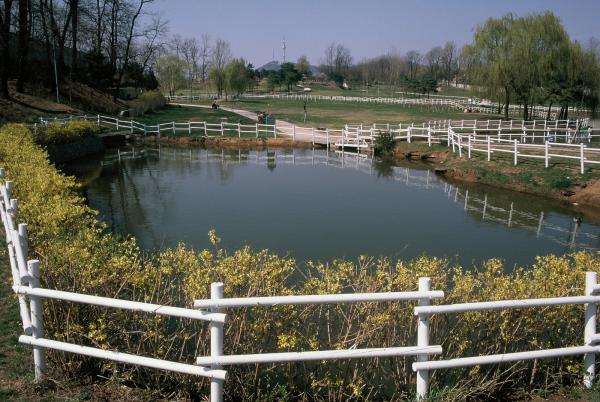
[525, 60]
[185, 61]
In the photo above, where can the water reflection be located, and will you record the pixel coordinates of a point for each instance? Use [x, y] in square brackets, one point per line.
[301, 206]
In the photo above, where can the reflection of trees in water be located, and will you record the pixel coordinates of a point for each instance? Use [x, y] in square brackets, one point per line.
[383, 166]
[482, 204]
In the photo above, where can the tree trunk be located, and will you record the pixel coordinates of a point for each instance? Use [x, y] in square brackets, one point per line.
[74, 4]
[23, 43]
[525, 111]
[5, 48]
[506, 103]
[549, 111]
[127, 49]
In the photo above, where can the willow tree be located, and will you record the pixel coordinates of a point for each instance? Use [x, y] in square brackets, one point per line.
[513, 56]
[236, 77]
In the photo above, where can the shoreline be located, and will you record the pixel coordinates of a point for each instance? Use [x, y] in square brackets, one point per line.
[582, 192]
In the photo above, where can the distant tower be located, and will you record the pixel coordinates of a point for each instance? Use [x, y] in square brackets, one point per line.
[283, 47]
[273, 54]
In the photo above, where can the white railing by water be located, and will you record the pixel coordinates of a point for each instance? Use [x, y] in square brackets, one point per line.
[535, 139]
[26, 284]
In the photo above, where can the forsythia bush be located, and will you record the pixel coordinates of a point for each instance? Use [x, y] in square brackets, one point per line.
[77, 254]
[58, 133]
[149, 101]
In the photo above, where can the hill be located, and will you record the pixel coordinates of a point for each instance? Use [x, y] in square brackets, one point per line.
[275, 66]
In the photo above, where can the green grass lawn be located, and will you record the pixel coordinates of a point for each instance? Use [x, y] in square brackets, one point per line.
[15, 359]
[183, 114]
[336, 114]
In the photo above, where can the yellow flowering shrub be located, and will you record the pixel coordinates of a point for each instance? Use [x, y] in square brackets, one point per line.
[78, 254]
[59, 133]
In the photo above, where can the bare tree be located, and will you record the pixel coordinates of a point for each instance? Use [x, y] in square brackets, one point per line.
[190, 50]
[152, 41]
[220, 56]
[205, 51]
[433, 61]
[413, 61]
[129, 39]
[5, 21]
[449, 61]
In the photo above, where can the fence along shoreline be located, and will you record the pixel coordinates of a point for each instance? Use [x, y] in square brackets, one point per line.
[534, 139]
[26, 285]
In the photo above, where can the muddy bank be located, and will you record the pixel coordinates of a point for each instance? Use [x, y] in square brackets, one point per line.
[556, 183]
[228, 142]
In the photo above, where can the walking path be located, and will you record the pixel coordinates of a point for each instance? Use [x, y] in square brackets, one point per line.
[282, 125]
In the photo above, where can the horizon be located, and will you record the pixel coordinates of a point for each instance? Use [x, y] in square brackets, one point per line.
[382, 34]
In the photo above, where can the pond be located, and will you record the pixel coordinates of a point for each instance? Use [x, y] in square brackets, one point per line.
[321, 205]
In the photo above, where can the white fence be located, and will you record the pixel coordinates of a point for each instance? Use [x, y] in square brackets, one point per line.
[535, 139]
[449, 102]
[26, 284]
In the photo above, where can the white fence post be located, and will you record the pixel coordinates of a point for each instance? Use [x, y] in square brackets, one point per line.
[409, 134]
[313, 138]
[582, 157]
[275, 128]
[546, 153]
[216, 343]
[173, 128]
[516, 151]
[423, 340]
[37, 320]
[469, 150]
[294, 132]
[239, 131]
[489, 149]
[98, 120]
[589, 359]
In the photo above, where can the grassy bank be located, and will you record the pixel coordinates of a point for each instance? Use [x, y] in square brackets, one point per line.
[77, 254]
[182, 114]
[530, 176]
[336, 114]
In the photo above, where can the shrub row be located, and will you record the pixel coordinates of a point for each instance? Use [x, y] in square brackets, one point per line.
[149, 101]
[77, 254]
[62, 133]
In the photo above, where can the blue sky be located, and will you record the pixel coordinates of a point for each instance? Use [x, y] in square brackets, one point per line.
[368, 27]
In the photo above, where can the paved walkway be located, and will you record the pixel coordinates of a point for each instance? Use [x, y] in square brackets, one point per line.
[283, 126]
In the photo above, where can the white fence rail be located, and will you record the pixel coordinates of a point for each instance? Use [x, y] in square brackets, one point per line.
[26, 285]
[450, 102]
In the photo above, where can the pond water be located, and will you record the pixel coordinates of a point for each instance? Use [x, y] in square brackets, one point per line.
[320, 205]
